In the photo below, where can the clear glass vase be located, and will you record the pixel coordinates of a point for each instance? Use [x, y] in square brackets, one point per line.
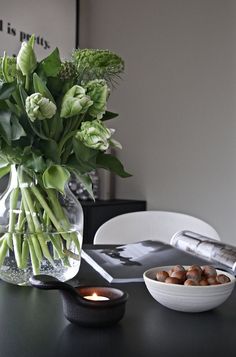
[40, 230]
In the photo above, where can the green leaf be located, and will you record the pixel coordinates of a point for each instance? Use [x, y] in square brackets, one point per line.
[56, 126]
[13, 108]
[3, 163]
[31, 40]
[51, 64]
[84, 178]
[5, 126]
[86, 157]
[35, 162]
[17, 130]
[83, 152]
[17, 97]
[86, 181]
[109, 115]
[6, 90]
[80, 165]
[111, 163]
[36, 127]
[3, 105]
[40, 87]
[4, 170]
[23, 95]
[50, 150]
[4, 66]
[56, 177]
[12, 155]
[55, 86]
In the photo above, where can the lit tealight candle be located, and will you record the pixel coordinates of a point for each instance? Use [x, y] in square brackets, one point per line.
[96, 297]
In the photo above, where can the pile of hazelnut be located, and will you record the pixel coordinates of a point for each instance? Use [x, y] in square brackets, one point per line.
[193, 276]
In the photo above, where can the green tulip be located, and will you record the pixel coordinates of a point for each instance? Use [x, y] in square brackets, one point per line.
[98, 92]
[39, 107]
[95, 135]
[26, 59]
[8, 72]
[75, 102]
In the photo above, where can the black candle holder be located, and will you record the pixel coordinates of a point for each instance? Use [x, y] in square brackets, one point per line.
[82, 311]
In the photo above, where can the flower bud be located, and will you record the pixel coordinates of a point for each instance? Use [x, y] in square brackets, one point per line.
[8, 72]
[98, 92]
[39, 107]
[68, 71]
[95, 135]
[75, 102]
[26, 59]
[97, 64]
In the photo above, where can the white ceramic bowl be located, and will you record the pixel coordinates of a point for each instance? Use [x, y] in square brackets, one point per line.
[187, 298]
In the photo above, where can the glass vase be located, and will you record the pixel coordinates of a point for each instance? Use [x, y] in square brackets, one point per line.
[40, 230]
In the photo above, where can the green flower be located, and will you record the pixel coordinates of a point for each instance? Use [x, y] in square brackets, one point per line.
[95, 135]
[75, 102]
[26, 59]
[39, 107]
[98, 92]
[8, 72]
[97, 64]
[68, 71]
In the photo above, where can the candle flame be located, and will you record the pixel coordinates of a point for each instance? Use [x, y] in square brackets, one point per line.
[96, 297]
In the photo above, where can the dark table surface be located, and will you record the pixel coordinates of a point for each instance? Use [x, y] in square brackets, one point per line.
[32, 324]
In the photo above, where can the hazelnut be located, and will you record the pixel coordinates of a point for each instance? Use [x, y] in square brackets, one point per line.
[212, 280]
[181, 275]
[190, 282]
[162, 275]
[170, 280]
[203, 282]
[178, 268]
[209, 271]
[222, 279]
[193, 274]
[195, 267]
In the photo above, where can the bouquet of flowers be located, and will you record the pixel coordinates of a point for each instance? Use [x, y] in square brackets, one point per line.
[52, 124]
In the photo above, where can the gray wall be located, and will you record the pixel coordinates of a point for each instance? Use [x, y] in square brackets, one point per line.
[50, 20]
[176, 101]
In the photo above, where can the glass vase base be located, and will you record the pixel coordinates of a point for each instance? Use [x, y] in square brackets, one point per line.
[10, 273]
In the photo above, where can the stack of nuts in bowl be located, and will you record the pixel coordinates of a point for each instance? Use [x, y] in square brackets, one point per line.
[195, 275]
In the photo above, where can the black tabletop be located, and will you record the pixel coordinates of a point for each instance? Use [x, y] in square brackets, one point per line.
[32, 324]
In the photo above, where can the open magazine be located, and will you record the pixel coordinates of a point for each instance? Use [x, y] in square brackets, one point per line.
[127, 263]
[123, 263]
[222, 254]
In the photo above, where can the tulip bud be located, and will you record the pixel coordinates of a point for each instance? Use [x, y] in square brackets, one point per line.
[8, 72]
[26, 59]
[75, 102]
[98, 92]
[39, 107]
[95, 135]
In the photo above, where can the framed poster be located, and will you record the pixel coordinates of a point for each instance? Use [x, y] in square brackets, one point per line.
[54, 23]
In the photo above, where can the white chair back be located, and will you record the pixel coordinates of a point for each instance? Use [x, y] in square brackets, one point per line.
[155, 225]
